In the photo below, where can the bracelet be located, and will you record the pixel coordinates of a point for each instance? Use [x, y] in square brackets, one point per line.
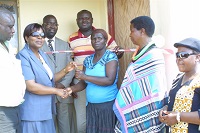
[65, 71]
[178, 117]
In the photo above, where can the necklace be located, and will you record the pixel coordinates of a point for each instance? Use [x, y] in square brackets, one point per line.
[141, 52]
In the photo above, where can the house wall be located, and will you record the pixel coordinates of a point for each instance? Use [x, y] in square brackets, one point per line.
[175, 21]
[65, 11]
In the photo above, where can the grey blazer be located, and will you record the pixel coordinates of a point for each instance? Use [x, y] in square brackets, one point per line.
[62, 59]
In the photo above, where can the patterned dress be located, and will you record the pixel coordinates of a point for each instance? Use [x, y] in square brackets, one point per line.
[184, 98]
[142, 94]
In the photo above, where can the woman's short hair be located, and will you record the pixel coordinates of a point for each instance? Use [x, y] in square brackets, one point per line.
[103, 32]
[144, 22]
[33, 27]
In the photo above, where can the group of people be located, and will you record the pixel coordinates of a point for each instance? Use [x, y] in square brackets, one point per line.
[80, 94]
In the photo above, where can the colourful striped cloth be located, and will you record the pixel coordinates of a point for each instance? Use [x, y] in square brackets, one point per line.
[142, 94]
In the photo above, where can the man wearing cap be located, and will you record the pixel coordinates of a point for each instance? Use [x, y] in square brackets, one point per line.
[183, 114]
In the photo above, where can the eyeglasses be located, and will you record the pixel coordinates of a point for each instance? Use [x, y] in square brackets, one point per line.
[183, 55]
[51, 25]
[37, 34]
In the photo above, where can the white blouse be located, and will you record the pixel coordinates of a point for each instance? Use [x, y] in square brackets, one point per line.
[46, 67]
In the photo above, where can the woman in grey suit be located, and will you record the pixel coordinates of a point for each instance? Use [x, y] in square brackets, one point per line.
[39, 105]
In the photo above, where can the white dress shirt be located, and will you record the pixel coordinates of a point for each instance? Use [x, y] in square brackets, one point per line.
[53, 42]
[13, 86]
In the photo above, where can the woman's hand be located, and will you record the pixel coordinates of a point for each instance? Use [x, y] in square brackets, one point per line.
[162, 113]
[71, 66]
[170, 118]
[64, 93]
[167, 117]
[68, 90]
[79, 74]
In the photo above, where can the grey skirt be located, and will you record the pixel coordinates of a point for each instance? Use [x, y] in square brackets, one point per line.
[100, 117]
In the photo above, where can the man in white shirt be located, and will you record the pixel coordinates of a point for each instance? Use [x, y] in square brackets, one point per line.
[12, 87]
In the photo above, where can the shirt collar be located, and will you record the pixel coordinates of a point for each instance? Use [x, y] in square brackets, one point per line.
[80, 35]
[53, 42]
[46, 39]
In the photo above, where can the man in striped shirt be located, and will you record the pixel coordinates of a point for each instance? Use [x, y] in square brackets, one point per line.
[81, 40]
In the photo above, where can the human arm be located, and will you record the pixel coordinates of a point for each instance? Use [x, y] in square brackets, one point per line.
[36, 79]
[40, 89]
[59, 85]
[81, 85]
[64, 59]
[170, 118]
[190, 117]
[69, 67]
[108, 79]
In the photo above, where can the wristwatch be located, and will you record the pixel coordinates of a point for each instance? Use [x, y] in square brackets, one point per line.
[178, 117]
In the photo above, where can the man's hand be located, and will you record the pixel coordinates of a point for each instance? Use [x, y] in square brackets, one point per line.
[118, 53]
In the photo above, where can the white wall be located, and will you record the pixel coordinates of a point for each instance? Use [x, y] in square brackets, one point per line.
[65, 11]
[175, 20]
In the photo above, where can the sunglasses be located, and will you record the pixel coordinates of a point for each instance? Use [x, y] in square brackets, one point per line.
[183, 55]
[37, 34]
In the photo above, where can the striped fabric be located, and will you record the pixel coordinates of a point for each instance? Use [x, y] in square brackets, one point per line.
[78, 41]
[142, 94]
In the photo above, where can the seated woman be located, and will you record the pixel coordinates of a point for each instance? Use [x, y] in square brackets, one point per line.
[100, 74]
[183, 111]
[39, 105]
